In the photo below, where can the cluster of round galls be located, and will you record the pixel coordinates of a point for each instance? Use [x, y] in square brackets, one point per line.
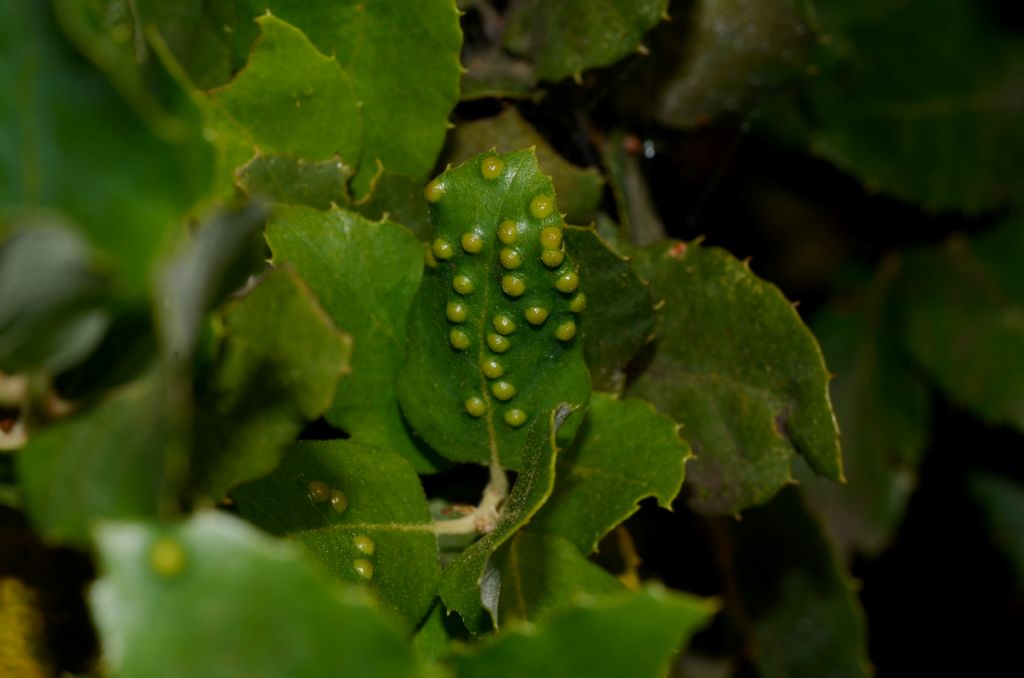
[513, 284]
[321, 493]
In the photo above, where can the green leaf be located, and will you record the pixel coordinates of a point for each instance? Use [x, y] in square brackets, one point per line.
[290, 98]
[579, 190]
[737, 367]
[471, 584]
[921, 100]
[493, 338]
[964, 315]
[212, 596]
[358, 511]
[565, 38]
[621, 318]
[433, 637]
[365, 275]
[107, 462]
[883, 412]
[800, 602]
[291, 180]
[542, 575]
[1002, 500]
[68, 141]
[403, 61]
[623, 452]
[53, 313]
[278, 365]
[628, 634]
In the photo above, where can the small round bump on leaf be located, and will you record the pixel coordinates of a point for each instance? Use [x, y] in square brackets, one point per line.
[463, 284]
[512, 285]
[363, 567]
[364, 544]
[443, 249]
[578, 303]
[508, 233]
[339, 502]
[551, 237]
[503, 390]
[434, 191]
[566, 331]
[509, 258]
[498, 343]
[491, 167]
[458, 339]
[567, 282]
[167, 557]
[456, 311]
[541, 206]
[475, 406]
[503, 324]
[491, 368]
[515, 418]
[471, 242]
[428, 257]
[536, 315]
[552, 258]
[318, 491]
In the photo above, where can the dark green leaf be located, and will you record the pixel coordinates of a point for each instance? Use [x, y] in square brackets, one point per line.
[360, 512]
[627, 634]
[212, 596]
[53, 291]
[199, 34]
[493, 337]
[290, 180]
[620, 315]
[579, 190]
[624, 452]
[365, 275]
[737, 367]
[566, 38]
[964, 308]
[471, 584]
[883, 412]
[806, 619]
[278, 366]
[1003, 503]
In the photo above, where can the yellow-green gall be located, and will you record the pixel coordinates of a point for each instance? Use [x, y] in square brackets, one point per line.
[512, 285]
[463, 284]
[551, 237]
[541, 206]
[428, 257]
[434, 191]
[364, 544]
[498, 343]
[339, 502]
[503, 390]
[456, 311]
[503, 324]
[567, 282]
[167, 557]
[491, 168]
[475, 406]
[363, 567]
[318, 491]
[443, 249]
[566, 331]
[578, 303]
[509, 258]
[472, 242]
[515, 418]
[491, 368]
[508, 233]
[536, 315]
[458, 339]
[552, 258]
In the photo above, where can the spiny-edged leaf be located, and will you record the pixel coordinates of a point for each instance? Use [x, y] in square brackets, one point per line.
[399, 197]
[620, 315]
[102, 463]
[290, 98]
[291, 180]
[883, 412]
[737, 367]
[805, 616]
[212, 596]
[542, 575]
[921, 100]
[471, 584]
[279, 362]
[365, 275]
[625, 634]
[403, 59]
[360, 512]
[1003, 503]
[53, 291]
[723, 55]
[493, 330]
[68, 141]
[565, 38]
[579, 190]
[623, 452]
[964, 310]
[435, 634]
